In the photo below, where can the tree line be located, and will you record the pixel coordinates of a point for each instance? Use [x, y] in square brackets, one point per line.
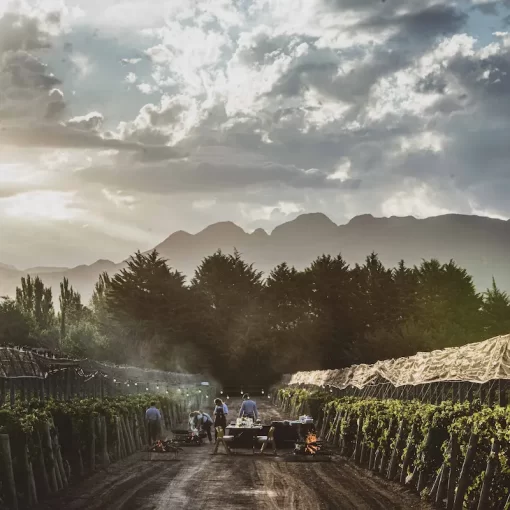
[241, 327]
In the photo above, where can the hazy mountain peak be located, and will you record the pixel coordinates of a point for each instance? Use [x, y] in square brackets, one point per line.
[259, 232]
[361, 219]
[9, 267]
[222, 228]
[479, 244]
[316, 221]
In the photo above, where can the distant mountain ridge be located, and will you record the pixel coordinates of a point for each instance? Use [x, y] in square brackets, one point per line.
[480, 244]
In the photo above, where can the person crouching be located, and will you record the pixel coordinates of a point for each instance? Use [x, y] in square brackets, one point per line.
[202, 421]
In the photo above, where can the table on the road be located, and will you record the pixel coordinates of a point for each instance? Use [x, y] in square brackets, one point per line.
[246, 437]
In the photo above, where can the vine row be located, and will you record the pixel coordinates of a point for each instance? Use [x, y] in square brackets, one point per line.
[45, 446]
[457, 455]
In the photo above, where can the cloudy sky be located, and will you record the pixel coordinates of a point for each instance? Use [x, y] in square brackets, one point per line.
[122, 121]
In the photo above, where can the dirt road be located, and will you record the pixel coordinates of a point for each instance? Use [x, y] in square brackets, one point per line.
[234, 483]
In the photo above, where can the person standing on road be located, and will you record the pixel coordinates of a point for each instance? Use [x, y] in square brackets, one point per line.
[220, 415]
[153, 418]
[249, 408]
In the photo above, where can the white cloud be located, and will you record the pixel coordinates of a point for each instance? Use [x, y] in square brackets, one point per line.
[119, 199]
[38, 206]
[419, 201]
[131, 78]
[83, 64]
[342, 171]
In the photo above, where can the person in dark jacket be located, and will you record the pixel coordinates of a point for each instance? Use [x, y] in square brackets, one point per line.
[220, 415]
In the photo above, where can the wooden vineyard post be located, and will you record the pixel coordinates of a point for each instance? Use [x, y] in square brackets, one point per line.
[50, 459]
[359, 441]
[464, 474]
[492, 462]
[125, 434]
[393, 467]
[76, 443]
[2, 392]
[105, 458]
[8, 473]
[92, 444]
[384, 454]
[422, 478]
[325, 421]
[332, 427]
[12, 392]
[30, 481]
[136, 432]
[338, 428]
[452, 477]
[129, 435]
[408, 455]
[443, 484]
[58, 458]
[435, 486]
[120, 446]
[42, 478]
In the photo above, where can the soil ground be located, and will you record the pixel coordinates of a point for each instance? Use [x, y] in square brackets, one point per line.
[199, 480]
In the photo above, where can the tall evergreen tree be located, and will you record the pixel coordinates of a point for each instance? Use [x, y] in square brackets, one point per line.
[495, 312]
[36, 300]
[71, 309]
[334, 304]
[231, 291]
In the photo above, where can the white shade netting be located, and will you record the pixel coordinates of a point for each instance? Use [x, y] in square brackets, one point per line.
[479, 362]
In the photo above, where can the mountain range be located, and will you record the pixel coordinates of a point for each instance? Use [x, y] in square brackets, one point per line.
[479, 244]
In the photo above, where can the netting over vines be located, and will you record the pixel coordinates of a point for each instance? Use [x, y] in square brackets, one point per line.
[27, 364]
[479, 362]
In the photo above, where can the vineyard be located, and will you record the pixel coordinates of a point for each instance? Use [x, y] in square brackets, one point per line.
[435, 422]
[63, 419]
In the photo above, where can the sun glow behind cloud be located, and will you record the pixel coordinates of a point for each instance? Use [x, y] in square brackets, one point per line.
[42, 205]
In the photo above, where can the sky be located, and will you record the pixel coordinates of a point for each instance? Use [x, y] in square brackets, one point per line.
[124, 121]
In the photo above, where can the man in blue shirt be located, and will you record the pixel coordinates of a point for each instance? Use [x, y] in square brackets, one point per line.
[153, 417]
[249, 408]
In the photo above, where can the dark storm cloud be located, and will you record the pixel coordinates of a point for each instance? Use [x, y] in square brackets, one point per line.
[428, 23]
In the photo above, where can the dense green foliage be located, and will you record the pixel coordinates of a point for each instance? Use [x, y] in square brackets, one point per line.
[237, 325]
[437, 421]
[28, 423]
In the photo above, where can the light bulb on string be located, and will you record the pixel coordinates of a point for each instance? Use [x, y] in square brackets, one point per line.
[157, 387]
[115, 380]
[136, 384]
[269, 396]
[228, 397]
[262, 392]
